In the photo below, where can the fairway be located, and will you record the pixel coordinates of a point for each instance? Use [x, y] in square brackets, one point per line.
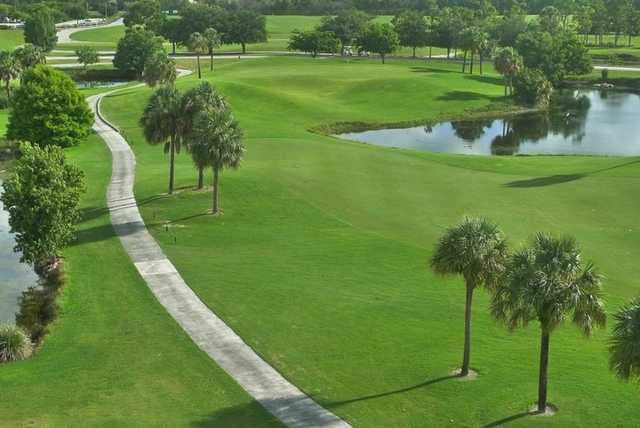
[10, 39]
[320, 259]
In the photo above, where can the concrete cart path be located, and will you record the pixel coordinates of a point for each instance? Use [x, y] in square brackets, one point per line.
[284, 400]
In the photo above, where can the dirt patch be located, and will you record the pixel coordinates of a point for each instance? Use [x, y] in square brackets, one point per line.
[473, 375]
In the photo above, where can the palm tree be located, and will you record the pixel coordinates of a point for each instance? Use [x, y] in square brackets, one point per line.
[213, 41]
[29, 56]
[624, 345]
[198, 44]
[159, 69]
[163, 122]
[9, 69]
[477, 250]
[197, 100]
[508, 62]
[547, 282]
[218, 138]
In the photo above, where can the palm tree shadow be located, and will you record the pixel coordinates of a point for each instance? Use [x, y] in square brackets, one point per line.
[332, 404]
[545, 181]
[507, 419]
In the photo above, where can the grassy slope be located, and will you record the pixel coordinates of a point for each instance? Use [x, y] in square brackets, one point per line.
[320, 260]
[4, 116]
[10, 39]
[114, 357]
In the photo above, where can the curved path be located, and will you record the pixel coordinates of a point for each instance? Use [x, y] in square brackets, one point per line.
[64, 35]
[283, 399]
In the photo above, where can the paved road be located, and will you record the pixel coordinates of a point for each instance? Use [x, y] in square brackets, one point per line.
[616, 68]
[64, 34]
[283, 399]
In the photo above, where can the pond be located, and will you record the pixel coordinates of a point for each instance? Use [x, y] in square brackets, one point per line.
[580, 122]
[15, 277]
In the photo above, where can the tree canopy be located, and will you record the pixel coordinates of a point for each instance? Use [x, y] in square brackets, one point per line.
[134, 49]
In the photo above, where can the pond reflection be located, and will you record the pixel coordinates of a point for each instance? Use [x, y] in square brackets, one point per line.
[586, 122]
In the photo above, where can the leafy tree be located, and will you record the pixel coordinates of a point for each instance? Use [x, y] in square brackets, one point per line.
[550, 19]
[198, 44]
[213, 41]
[172, 30]
[624, 345]
[547, 282]
[29, 56]
[40, 29]
[42, 197]
[531, 87]
[134, 49]
[76, 11]
[159, 70]
[9, 69]
[476, 250]
[412, 30]
[379, 38]
[87, 55]
[507, 29]
[313, 42]
[163, 123]
[508, 63]
[146, 13]
[345, 25]
[218, 138]
[245, 26]
[47, 109]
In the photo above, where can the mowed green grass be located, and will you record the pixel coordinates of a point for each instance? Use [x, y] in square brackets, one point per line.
[4, 117]
[10, 39]
[114, 357]
[320, 261]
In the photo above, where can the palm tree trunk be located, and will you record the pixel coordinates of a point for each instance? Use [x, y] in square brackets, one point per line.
[430, 48]
[174, 47]
[216, 196]
[480, 64]
[244, 48]
[382, 55]
[471, 66]
[198, 60]
[506, 86]
[172, 149]
[211, 61]
[544, 365]
[200, 177]
[414, 51]
[7, 88]
[466, 358]
[464, 62]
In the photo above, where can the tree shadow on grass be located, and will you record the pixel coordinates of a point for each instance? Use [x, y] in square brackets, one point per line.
[430, 70]
[425, 384]
[508, 419]
[463, 96]
[545, 181]
[240, 416]
[492, 80]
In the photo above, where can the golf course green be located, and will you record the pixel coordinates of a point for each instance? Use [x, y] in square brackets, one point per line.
[320, 261]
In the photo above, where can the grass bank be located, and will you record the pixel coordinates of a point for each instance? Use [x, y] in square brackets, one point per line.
[114, 357]
[320, 259]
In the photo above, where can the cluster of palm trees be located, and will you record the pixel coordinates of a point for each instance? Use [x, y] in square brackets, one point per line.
[201, 120]
[13, 64]
[545, 281]
[205, 43]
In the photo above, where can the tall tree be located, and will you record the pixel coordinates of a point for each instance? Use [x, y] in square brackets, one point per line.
[313, 42]
[163, 123]
[172, 30]
[508, 63]
[345, 25]
[476, 250]
[378, 38]
[213, 41]
[29, 56]
[159, 70]
[219, 138]
[624, 344]
[146, 13]
[9, 69]
[40, 29]
[412, 30]
[548, 282]
[42, 197]
[198, 44]
[48, 109]
[134, 49]
[245, 26]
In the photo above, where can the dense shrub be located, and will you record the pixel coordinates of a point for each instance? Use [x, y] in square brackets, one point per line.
[15, 344]
[532, 88]
[37, 310]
